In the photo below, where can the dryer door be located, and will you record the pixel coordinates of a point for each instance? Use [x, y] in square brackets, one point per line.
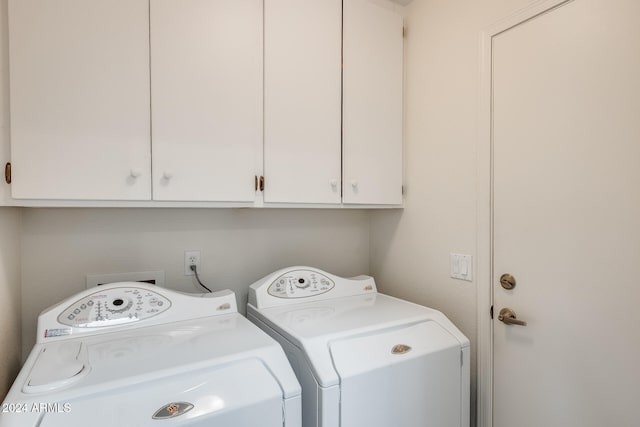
[409, 376]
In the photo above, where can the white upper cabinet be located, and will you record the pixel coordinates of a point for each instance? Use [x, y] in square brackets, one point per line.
[302, 104]
[206, 99]
[372, 102]
[79, 90]
[189, 101]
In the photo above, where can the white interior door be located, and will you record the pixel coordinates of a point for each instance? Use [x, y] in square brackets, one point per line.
[566, 148]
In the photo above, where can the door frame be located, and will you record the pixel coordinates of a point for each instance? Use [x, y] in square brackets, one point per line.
[485, 226]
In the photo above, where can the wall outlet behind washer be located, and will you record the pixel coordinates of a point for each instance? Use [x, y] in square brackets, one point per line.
[191, 258]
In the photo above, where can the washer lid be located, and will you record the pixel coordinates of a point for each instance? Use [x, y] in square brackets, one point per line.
[81, 365]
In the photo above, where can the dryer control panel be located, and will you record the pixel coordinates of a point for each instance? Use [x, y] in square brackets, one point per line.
[114, 306]
[300, 284]
[305, 284]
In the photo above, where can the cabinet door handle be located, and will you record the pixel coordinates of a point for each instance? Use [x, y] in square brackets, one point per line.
[333, 182]
[135, 172]
[167, 175]
[354, 183]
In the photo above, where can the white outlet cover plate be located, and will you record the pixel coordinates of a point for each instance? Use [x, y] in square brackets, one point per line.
[187, 256]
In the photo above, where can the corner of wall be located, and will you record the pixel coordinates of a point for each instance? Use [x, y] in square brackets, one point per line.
[10, 297]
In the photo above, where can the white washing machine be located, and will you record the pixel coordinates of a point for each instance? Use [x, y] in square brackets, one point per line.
[364, 359]
[131, 354]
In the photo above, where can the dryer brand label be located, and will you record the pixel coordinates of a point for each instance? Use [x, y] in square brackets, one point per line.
[174, 409]
[400, 349]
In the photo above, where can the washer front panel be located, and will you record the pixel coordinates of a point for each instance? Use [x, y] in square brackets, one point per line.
[300, 284]
[114, 306]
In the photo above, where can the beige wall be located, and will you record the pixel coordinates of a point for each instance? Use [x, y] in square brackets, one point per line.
[10, 329]
[410, 249]
[238, 246]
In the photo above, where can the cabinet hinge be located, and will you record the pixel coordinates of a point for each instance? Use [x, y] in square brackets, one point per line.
[404, 32]
[261, 183]
[256, 182]
[7, 173]
[491, 312]
[403, 190]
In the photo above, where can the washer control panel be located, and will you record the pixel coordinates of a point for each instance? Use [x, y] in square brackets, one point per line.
[114, 306]
[300, 284]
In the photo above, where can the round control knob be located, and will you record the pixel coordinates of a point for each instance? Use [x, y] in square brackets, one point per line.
[118, 305]
[135, 172]
[167, 175]
[302, 283]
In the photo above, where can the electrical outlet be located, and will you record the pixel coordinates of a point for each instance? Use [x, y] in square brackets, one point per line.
[191, 258]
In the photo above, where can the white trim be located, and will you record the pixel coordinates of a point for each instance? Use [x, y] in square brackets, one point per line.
[42, 203]
[484, 251]
[484, 207]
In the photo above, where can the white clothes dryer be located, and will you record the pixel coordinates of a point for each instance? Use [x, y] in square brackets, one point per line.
[364, 359]
[132, 354]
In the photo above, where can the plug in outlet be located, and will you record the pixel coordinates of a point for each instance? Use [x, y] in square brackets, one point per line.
[191, 258]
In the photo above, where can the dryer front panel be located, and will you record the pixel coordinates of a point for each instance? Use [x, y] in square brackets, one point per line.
[408, 377]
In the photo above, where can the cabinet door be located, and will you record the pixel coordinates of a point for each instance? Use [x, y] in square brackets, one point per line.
[206, 98]
[302, 101]
[372, 102]
[79, 82]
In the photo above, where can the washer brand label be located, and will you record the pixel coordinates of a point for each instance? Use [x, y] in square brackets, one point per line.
[48, 333]
[174, 409]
